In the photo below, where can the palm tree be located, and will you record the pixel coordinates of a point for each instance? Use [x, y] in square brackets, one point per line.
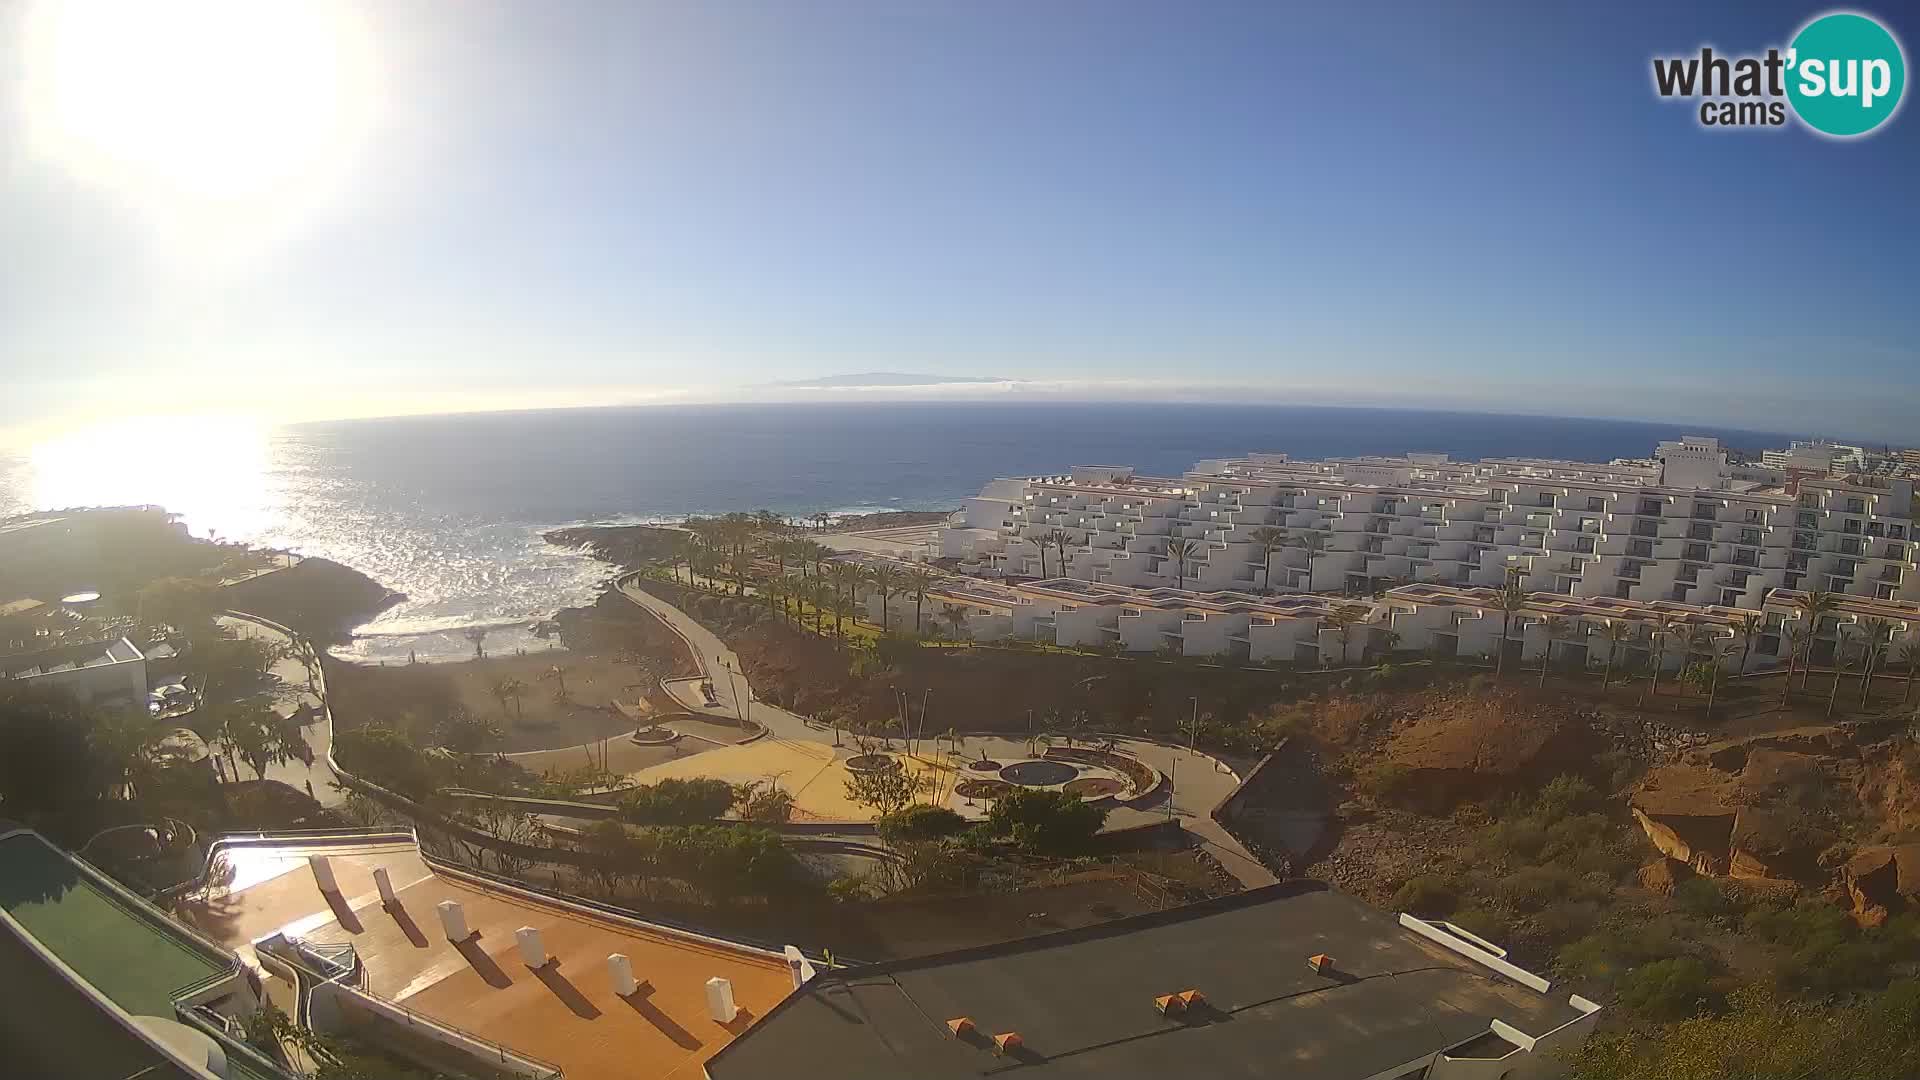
[1268, 540]
[682, 553]
[919, 581]
[1618, 631]
[1907, 653]
[1342, 620]
[1716, 655]
[1697, 638]
[515, 688]
[1812, 606]
[1658, 636]
[846, 580]
[956, 617]
[1841, 634]
[123, 740]
[813, 592]
[1181, 552]
[1878, 633]
[1058, 538]
[886, 580]
[1313, 544]
[1043, 542]
[1558, 628]
[1512, 601]
[1799, 640]
[1746, 627]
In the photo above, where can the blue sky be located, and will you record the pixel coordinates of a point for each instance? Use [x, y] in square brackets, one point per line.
[1461, 205]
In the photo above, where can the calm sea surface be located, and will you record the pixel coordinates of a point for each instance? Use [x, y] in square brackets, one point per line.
[449, 509]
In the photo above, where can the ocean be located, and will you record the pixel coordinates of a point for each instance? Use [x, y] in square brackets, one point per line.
[449, 509]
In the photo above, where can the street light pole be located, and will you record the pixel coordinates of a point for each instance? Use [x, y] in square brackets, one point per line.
[1193, 729]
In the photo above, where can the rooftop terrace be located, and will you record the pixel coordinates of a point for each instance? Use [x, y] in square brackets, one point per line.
[566, 1013]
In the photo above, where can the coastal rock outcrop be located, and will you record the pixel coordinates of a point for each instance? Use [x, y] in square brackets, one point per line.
[1768, 812]
[1882, 882]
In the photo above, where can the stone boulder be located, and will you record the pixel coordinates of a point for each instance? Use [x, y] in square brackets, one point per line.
[1882, 882]
[1662, 876]
[1688, 813]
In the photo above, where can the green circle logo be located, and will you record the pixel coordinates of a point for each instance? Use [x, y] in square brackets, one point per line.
[1845, 74]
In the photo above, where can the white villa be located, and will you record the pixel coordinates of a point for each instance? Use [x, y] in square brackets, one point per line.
[1435, 620]
[1685, 526]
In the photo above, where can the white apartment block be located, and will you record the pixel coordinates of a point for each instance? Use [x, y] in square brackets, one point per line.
[1438, 621]
[1685, 526]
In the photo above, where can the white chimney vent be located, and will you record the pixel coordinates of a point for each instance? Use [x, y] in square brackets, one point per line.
[531, 949]
[620, 970]
[454, 918]
[322, 868]
[720, 1004]
[384, 883]
[799, 967]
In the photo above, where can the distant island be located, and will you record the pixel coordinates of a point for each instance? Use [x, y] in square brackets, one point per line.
[888, 378]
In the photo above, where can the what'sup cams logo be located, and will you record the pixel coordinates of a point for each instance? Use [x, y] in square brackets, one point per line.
[1843, 75]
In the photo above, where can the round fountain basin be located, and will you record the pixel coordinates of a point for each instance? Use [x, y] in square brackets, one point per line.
[1038, 773]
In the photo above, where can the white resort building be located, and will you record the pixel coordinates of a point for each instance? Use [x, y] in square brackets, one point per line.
[1234, 558]
[1686, 526]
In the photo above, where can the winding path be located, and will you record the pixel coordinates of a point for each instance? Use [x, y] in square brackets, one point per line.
[1199, 780]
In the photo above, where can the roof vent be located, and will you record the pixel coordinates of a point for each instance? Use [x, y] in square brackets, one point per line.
[1320, 963]
[1007, 1042]
[720, 1004]
[960, 1027]
[620, 972]
[384, 882]
[323, 873]
[454, 918]
[532, 950]
[1176, 1004]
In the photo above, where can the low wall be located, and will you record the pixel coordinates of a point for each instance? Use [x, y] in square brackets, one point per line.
[604, 811]
[351, 1008]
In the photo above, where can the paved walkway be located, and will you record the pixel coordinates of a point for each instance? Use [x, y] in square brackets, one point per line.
[1199, 781]
[295, 689]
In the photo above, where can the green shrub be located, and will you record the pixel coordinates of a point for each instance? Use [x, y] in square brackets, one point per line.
[921, 821]
[1607, 954]
[1703, 897]
[1482, 922]
[1564, 795]
[1566, 921]
[1048, 822]
[674, 801]
[1532, 888]
[1384, 781]
[1670, 989]
[1427, 896]
[388, 758]
[1513, 838]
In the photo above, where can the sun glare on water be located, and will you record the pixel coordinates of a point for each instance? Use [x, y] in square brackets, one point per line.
[199, 101]
[211, 470]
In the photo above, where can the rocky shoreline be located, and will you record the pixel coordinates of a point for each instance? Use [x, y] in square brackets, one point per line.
[633, 546]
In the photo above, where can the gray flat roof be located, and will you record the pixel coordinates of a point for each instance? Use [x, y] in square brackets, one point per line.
[1083, 1001]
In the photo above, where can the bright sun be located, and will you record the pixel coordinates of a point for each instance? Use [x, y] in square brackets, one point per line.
[215, 101]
